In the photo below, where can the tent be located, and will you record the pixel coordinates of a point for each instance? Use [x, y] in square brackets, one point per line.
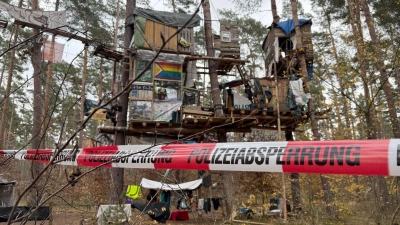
[150, 184]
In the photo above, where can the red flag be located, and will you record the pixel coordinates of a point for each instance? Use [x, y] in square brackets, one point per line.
[52, 51]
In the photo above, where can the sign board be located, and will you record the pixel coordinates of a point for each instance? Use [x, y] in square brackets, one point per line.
[141, 91]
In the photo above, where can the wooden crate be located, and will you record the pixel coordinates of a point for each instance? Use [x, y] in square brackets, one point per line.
[283, 84]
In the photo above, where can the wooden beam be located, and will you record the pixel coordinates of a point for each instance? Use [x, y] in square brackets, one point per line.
[209, 122]
[169, 131]
[249, 124]
[56, 32]
[235, 61]
[197, 112]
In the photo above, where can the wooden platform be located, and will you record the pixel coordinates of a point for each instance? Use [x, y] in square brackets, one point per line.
[236, 120]
[224, 65]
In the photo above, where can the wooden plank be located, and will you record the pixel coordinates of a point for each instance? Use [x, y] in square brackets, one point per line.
[197, 112]
[148, 42]
[157, 35]
[173, 43]
[149, 33]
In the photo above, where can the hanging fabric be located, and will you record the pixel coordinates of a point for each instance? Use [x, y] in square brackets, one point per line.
[133, 191]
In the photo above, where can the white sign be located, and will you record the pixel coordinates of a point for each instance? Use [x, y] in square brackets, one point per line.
[47, 19]
[241, 102]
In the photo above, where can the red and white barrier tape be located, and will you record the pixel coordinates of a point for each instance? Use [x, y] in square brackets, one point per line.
[358, 157]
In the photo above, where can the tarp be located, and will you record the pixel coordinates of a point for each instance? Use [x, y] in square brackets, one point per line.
[158, 211]
[352, 157]
[150, 184]
[43, 213]
[167, 18]
[6, 192]
[288, 25]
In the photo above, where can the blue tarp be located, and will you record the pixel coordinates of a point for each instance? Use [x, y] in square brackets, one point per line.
[288, 25]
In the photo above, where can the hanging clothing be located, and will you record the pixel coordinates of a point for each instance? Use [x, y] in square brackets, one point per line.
[133, 191]
[151, 195]
[207, 181]
[298, 92]
[215, 203]
[200, 206]
[207, 205]
[189, 98]
[165, 197]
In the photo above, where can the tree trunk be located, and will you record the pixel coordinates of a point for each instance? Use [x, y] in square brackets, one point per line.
[328, 197]
[294, 182]
[83, 95]
[46, 116]
[212, 65]
[3, 68]
[34, 194]
[340, 129]
[228, 182]
[275, 16]
[357, 31]
[117, 174]
[100, 92]
[384, 78]
[330, 207]
[8, 89]
[216, 99]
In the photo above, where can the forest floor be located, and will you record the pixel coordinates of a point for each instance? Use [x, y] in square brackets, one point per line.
[88, 217]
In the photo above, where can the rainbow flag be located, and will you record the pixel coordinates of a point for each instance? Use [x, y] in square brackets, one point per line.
[167, 70]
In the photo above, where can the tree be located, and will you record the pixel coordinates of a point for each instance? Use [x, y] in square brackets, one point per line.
[117, 174]
[330, 208]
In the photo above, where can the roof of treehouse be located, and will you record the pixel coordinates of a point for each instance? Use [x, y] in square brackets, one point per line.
[167, 18]
[287, 27]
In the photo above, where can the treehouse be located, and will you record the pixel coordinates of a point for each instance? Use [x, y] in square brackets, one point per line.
[150, 25]
[280, 46]
[166, 100]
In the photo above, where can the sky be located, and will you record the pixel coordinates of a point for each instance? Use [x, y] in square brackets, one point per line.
[264, 15]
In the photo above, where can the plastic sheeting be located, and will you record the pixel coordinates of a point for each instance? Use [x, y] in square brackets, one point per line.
[298, 92]
[6, 192]
[288, 25]
[163, 110]
[167, 18]
[191, 74]
[150, 184]
[162, 57]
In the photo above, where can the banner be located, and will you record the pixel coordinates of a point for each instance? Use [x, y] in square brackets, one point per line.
[47, 19]
[355, 157]
[52, 51]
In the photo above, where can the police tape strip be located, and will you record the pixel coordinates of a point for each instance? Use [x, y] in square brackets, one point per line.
[357, 157]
